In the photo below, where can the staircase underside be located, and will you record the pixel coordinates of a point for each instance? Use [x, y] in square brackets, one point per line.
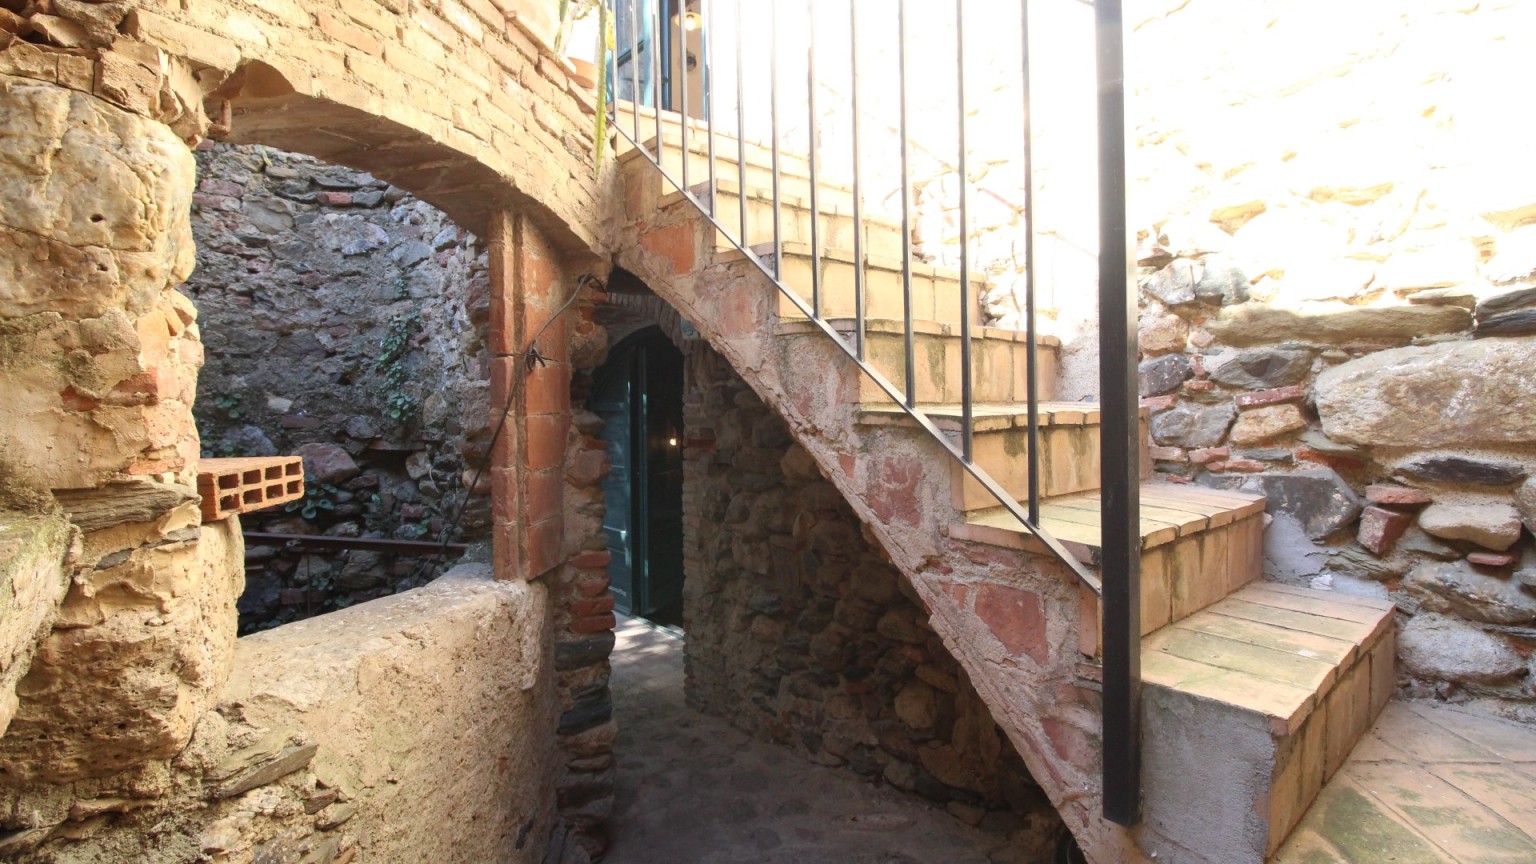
[1270, 685]
[1429, 783]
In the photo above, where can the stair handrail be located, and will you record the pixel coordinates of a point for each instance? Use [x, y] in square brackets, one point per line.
[1119, 556]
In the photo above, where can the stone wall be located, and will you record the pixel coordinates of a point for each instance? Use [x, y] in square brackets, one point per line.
[343, 320]
[1338, 296]
[319, 750]
[800, 631]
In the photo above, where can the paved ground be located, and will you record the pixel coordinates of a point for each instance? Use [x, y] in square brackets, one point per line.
[1428, 784]
[693, 790]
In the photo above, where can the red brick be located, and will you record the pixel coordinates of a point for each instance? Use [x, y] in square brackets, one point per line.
[348, 35]
[1199, 386]
[506, 550]
[1256, 398]
[593, 623]
[547, 389]
[591, 584]
[542, 546]
[1343, 463]
[1074, 746]
[1167, 454]
[674, 242]
[1396, 496]
[1209, 454]
[334, 199]
[1380, 528]
[896, 493]
[546, 440]
[1491, 559]
[1159, 403]
[592, 560]
[1016, 617]
[595, 606]
[546, 495]
[74, 400]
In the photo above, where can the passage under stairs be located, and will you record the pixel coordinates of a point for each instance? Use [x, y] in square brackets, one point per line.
[1255, 696]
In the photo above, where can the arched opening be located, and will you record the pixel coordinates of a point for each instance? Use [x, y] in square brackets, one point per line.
[343, 320]
[638, 393]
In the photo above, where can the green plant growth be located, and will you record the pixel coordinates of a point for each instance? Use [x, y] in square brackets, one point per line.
[226, 404]
[318, 497]
[400, 404]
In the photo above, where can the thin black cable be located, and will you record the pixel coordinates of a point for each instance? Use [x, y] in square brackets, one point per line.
[532, 359]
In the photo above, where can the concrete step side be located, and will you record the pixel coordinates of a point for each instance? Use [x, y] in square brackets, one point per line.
[1280, 682]
[759, 154]
[1068, 437]
[835, 225]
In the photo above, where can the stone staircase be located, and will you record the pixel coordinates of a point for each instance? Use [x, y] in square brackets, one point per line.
[1254, 692]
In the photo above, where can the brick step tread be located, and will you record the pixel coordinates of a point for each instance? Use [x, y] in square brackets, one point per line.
[1272, 650]
[830, 201]
[886, 326]
[989, 417]
[243, 484]
[1464, 792]
[1168, 512]
[872, 261]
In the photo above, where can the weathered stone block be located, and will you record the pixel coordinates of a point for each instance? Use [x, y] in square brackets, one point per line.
[1334, 323]
[1380, 528]
[1194, 426]
[1444, 649]
[1163, 374]
[34, 575]
[1494, 525]
[1462, 470]
[1458, 588]
[1262, 424]
[1317, 498]
[1264, 368]
[1452, 394]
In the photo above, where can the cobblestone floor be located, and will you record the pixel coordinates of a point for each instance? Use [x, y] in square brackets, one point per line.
[693, 790]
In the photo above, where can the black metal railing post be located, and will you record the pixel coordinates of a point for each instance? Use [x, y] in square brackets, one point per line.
[967, 410]
[741, 135]
[1031, 333]
[1119, 452]
[858, 193]
[773, 122]
[909, 360]
[709, 96]
[812, 125]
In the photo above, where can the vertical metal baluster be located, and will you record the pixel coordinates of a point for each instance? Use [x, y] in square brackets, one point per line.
[634, 68]
[858, 204]
[906, 202]
[1119, 453]
[741, 137]
[773, 111]
[1031, 369]
[966, 409]
[682, 60]
[810, 101]
[709, 93]
[656, 77]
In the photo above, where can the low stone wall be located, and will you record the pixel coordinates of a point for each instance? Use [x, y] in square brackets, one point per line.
[325, 746]
[800, 631]
[346, 321]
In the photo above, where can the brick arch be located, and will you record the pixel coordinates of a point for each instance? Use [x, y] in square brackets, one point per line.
[461, 105]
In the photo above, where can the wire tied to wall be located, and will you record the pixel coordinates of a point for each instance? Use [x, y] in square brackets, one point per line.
[533, 359]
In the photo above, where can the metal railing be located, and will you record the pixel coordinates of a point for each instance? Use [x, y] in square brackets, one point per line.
[1117, 582]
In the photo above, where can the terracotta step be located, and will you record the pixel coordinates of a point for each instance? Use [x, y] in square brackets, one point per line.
[1198, 545]
[792, 165]
[1428, 782]
[998, 358]
[1069, 447]
[935, 290]
[240, 485]
[835, 224]
[1279, 682]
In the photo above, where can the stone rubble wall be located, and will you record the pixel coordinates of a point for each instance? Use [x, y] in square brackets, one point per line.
[1338, 282]
[801, 632]
[344, 320]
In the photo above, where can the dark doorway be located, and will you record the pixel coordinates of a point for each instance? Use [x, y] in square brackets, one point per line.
[639, 395]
